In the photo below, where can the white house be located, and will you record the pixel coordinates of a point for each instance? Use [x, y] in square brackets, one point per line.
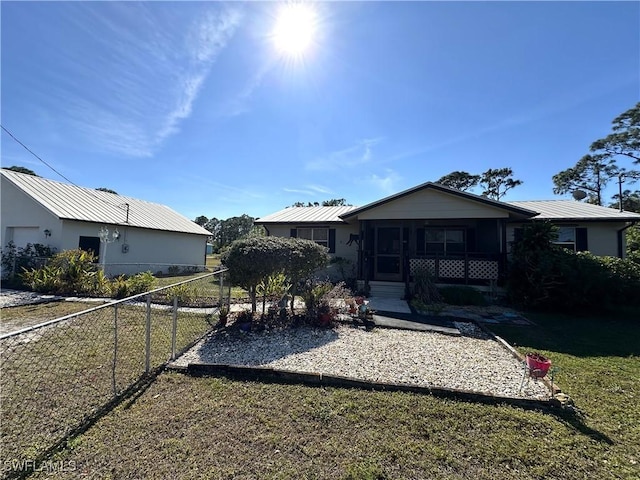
[149, 236]
[460, 237]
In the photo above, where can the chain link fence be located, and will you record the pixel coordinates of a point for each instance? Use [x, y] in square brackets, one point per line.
[59, 375]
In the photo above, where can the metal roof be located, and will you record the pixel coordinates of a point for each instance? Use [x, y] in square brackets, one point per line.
[307, 215]
[69, 202]
[573, 210]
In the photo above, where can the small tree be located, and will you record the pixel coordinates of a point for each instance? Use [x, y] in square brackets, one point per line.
[252, 260]
[305, 257]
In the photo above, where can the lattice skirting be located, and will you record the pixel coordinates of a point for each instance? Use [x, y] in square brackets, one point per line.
[448, 268]
[483, 269]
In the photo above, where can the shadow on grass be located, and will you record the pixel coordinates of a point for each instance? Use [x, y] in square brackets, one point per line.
[608, 334]
[130, 396]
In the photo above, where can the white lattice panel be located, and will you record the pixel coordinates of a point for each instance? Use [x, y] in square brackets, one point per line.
[428, 264]
[483, 269]
[451, 269]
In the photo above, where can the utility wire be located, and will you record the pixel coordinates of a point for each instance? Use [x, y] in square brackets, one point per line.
[32, 153]
[72, 183]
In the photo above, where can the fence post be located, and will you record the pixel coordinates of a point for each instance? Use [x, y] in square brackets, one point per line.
[174, 330]
[220, 302]
[115, 349]
[147, 360]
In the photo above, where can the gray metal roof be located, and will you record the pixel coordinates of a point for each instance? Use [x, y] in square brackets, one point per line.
[89, 205]
[572, 210]
[306, 215]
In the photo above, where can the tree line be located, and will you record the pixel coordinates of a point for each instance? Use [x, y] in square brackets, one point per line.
[224, 232]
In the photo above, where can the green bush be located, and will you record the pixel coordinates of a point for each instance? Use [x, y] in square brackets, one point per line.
[462, 295]
[15, 260]
[543, 275]
[72, 272]
[124, 286]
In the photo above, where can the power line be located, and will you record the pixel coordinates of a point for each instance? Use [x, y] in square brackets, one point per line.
[35, 155]
[72, 183]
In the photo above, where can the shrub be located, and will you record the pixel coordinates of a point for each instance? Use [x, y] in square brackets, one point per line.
[543, 275]
[15, 260]
[462, 295]
[72, 272]
[124, 286]
[424, 288]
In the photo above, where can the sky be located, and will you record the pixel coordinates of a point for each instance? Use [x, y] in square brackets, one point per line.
[202, 107]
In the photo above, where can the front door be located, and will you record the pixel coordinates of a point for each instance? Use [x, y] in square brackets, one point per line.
[388, 253]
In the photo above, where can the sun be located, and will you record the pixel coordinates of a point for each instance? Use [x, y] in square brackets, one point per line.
[295, 29]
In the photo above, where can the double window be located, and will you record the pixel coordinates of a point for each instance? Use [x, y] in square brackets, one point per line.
[567, 238]
[324, 236]
[318, 235]
[446, 241]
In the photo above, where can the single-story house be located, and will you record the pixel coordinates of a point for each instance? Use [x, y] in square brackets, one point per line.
[149, 236]
[460, 237]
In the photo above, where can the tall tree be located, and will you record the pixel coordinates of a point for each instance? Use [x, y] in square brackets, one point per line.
[18, 169]
[625, 139]
[496, 182]
[201, 220]
[591, 174]
[459, 180]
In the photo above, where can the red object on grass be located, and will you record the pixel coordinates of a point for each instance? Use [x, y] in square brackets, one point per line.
[537, 364]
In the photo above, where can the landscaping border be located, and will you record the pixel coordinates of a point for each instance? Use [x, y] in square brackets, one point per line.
[281, 376]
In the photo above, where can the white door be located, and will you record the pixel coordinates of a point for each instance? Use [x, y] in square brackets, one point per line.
[24, 235]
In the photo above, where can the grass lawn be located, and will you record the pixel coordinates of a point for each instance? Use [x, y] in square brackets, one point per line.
[16, 318]
[183, 427]
[56, 376]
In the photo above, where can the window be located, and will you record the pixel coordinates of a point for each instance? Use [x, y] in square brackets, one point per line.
[324, 236]
[567, 238]
[318, 235]
[447, 241]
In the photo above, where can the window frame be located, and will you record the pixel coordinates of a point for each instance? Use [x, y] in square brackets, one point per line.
[445, 251]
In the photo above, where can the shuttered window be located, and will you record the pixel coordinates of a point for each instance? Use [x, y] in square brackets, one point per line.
[322, 235]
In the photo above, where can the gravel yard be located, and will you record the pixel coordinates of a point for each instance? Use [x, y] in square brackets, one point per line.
[473, 361]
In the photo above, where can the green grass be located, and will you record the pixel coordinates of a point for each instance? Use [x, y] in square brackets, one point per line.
[16, 318]
[58, 375]
[183, 427]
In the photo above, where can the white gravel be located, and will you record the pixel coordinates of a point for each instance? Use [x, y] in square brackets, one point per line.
[472, 362]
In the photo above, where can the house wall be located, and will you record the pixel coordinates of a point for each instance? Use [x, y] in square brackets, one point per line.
[602, 237]
[429, 204]
[154, 250]
[14, 221]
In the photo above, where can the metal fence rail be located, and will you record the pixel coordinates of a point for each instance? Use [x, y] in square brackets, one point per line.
[57, 375]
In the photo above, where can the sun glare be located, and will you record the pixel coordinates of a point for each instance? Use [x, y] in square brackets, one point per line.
[295, 29]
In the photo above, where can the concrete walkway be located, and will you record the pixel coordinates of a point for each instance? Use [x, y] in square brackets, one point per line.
[395, 313]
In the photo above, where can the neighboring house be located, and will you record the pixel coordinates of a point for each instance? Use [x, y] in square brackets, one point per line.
[458, 236]
[65, 217]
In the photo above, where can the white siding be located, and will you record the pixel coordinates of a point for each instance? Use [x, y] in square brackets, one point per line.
[148, 249]
[431, 204]
[21, 211]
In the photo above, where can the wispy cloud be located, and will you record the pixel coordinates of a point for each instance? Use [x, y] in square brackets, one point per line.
[309, 190]
[386, 183]
[143, 82]
[354, 156]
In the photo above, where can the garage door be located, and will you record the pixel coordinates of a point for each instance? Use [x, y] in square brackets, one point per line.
[24, 235]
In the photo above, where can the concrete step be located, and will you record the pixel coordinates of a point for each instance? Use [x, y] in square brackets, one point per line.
[386, 289]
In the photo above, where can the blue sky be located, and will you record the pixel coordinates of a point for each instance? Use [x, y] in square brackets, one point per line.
[192, 106]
